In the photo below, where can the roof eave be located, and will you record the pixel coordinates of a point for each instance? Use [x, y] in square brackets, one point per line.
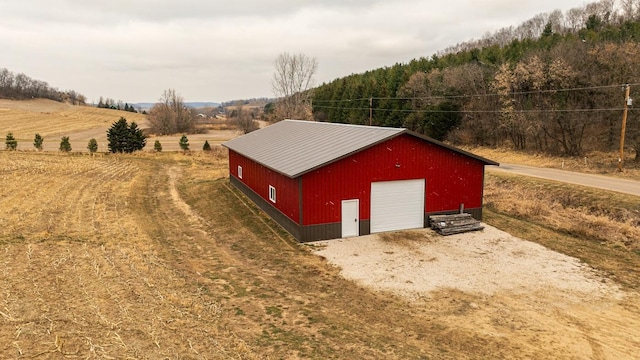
[453, 148]
[259, 162]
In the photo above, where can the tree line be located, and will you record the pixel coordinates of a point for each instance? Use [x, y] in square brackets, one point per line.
[115, 105]
[122, 137]
[554, 84]
[20, 86]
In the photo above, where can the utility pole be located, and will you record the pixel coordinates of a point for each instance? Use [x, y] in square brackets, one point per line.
[370, 110]
[627, 102]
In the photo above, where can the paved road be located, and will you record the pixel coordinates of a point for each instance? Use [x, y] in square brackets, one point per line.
[596, 181]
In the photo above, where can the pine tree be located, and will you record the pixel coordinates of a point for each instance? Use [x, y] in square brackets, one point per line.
[11, 142]
[65, 145]
[124, 138]
[184, 143]
[37, 142]
[139, 139]
[92, 146]
[206, 146]
[157, 146]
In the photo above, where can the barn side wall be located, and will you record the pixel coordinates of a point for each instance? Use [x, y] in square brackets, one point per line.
[258, 178]
[451, 179]
[267, 207]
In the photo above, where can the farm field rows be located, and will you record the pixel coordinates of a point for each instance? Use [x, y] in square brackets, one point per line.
[80, 276]
[52, 120]
[156, 256]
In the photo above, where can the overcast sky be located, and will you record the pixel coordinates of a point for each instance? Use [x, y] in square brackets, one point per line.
[132, 50]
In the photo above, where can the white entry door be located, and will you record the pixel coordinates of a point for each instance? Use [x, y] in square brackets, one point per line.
[397, 205]
[350, 218]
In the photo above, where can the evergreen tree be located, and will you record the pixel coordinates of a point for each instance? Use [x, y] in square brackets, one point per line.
[157, 146]
[11, 142]
[92, 146]
[139, 139]
[37, 142]
[206, 146]
[65, 145]
[124, 138]
[184, 143]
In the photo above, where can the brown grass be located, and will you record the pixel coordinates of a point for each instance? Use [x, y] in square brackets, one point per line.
[605, 216]
[408, 238]
[82, 277]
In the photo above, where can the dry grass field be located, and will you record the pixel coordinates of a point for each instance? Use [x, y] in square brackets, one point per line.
[84, 277]
[157, 256]
[52, 120]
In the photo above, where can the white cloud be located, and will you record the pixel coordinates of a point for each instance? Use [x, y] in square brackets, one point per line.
[207, 50]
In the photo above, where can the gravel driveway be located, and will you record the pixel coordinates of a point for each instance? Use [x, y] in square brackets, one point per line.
[415, 263]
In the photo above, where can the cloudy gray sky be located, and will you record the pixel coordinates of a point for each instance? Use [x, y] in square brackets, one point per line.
[132, 50]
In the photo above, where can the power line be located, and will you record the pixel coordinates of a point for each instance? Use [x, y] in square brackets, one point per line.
[445, 97]
[472, 111]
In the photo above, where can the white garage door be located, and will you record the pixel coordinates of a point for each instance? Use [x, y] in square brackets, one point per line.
[397, 205]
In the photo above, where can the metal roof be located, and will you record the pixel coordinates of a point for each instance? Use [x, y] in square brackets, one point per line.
[295, 147]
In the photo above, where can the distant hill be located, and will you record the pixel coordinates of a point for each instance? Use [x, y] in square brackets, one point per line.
[51, 119]
[193, 104]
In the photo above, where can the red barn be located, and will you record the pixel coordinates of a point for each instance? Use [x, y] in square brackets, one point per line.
[326, 180]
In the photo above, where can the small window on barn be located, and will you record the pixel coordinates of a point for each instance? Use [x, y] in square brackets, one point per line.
[239, 171]
[272, 194]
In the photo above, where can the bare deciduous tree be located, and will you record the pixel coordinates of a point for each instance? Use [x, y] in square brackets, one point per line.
[244, 119]
[292, 81]
[20, 86]
[171, 116]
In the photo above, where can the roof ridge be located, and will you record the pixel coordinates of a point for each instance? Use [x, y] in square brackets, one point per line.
[385, 128]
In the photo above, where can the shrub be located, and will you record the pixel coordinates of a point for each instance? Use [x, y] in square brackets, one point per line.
[92, 146]
[184, 143]
[65, 145]
[170, 115]
[11, 142]
[37, 142]
[157, 146]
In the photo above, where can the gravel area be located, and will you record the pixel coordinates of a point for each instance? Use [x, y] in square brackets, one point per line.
[415, 263]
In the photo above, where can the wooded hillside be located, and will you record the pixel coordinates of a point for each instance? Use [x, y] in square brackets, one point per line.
[20, 87]
[553, 84]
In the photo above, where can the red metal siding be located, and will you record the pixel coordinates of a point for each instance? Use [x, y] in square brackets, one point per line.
[258, 178]
[451, 178]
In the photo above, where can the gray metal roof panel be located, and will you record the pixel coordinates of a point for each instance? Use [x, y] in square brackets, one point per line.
[293, 147]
